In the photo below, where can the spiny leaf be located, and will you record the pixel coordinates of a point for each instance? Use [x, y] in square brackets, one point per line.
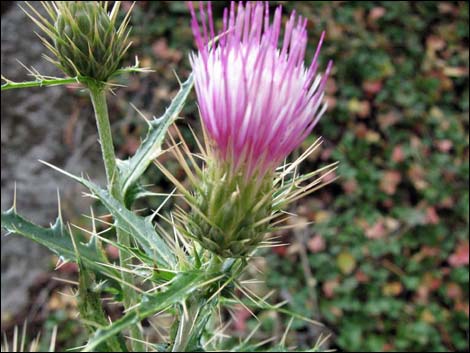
[59, 240]
[133, 168]
[141, 229]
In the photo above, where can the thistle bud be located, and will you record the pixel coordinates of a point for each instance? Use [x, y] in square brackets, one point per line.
[85, 39]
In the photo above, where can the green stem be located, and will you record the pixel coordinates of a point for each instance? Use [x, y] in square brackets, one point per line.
[91, 310]
[186, 326]
[193, 320]
[39, 83]
[98, 98]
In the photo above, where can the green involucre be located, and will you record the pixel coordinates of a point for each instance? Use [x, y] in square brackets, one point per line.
[231, 215]
[87, 42]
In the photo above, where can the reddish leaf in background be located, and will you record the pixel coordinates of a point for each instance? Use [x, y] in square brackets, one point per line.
[316, 244]
[431, 216]
[390, 181]
[240, 316]
[280, 250]
[329, 287]
[444, 145]
[361, 108]
[330, 177]
[447, 202]
[376, 13]
[161, 50]
[331, 101]
[462, 307]
[416, 174]
[388, 203]
[448, 8]
[361, 277]
[377, 231]
[454, 291]
[331, 87]
[326, 153]
[371, 88]
[435, 43]
[460, 257]
[388, 347]
[389, 119]
[430, 251]
[431, 281]
[361, 131]
[398, 155]
[350, 186]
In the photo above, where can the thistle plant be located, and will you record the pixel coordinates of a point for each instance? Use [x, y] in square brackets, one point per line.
[258, 102]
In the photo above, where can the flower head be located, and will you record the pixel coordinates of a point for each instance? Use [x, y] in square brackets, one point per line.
[258, 100]
[84, 38]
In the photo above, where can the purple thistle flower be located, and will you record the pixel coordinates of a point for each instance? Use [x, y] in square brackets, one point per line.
[258, 102]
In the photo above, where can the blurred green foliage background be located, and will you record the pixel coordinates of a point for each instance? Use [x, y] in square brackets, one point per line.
[385, 266]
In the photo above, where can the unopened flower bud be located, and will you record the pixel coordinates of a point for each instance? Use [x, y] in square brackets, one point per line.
[85, 39]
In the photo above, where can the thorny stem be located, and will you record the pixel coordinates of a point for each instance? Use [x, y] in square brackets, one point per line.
[189, 319]
[186, 326]
[38, 83]
[98, 98]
